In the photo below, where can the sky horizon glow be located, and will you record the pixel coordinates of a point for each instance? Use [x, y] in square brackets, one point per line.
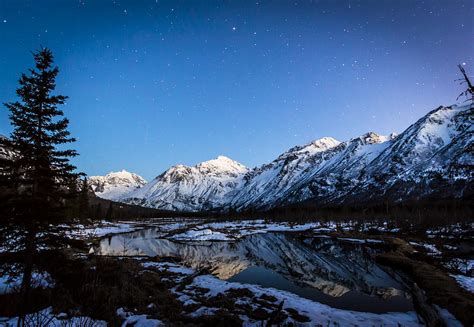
[152, 84]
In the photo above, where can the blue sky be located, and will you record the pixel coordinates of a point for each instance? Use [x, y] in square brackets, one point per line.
[156, 83]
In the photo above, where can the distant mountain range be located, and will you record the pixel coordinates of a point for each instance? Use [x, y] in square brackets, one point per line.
[116, 184]
[431, 159]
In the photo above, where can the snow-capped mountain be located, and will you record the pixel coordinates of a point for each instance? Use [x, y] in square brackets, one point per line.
[431, 158]
[272, 181]
[115, 185]
[202, 187]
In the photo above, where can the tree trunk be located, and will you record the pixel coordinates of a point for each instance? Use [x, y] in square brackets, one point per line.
[30, 252]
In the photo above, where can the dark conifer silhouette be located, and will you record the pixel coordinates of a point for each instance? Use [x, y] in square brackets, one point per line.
[35, 178]
[98, 212]
[83, 200]
[110, 211]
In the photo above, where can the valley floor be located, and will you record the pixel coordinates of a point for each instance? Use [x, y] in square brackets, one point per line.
[84, 287]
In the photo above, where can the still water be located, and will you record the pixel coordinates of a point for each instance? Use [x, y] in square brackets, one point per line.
[337, 273]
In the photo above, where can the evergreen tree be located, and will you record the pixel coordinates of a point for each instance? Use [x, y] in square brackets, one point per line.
[109, 213]
[98, 212]
[37, 176]
[84, 201]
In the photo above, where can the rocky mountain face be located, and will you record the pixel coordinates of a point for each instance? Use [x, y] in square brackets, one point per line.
[115, 185]
[202, 187]
[433, 158]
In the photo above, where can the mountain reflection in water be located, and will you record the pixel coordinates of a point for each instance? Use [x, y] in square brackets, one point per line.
[340, 274]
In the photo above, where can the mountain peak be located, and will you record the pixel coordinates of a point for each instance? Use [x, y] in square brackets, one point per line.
[373, 138]
[222, 163]
[122, 174]
[324, 171]
[325, 142]
[223, 158]
[115, 184]
[315, 146]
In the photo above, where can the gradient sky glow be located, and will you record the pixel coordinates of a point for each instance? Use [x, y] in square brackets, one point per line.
[156, 83]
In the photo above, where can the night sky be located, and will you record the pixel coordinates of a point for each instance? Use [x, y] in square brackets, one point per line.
[156, 83]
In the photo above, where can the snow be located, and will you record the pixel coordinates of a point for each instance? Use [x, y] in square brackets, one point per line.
[465, 282]
[435, 144]
[115, 185]
[358, 240]
[319, 145]
[174, 268]
[431, 248]
[199, 230]
[232, 230]
[191, 188]
[202, 235]
[142, 320]
[10, 284]
[448, 318]
[101, 229]
[317, 312]
[465, 266]
[222, 164]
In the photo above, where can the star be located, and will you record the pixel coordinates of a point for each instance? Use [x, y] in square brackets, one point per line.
[234, 28]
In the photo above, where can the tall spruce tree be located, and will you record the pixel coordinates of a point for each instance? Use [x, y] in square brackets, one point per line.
[36, 177]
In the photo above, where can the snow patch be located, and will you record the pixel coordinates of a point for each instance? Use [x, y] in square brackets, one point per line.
[465, 282]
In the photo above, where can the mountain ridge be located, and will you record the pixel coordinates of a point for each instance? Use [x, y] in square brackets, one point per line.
[115, 185]
[432, 157]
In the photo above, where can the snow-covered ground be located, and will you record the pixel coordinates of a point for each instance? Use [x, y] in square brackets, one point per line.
[188, 229]
[140, 320]
[316, 312]
[205, 287]
[209, 286]
[465, 281]
[232, 230]
[430, 248]
[196, 229]
[100, 229]
[10, 284]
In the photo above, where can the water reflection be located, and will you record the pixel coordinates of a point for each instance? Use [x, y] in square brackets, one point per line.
[340, 274]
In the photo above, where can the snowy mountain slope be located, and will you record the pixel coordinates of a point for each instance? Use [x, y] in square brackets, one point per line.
[330, 170]
[115, 185]
[343, 171]
[201, 187]
[269, 182]
[431, 158]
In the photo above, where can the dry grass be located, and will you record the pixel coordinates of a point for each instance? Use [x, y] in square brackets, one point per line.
[438, 286]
